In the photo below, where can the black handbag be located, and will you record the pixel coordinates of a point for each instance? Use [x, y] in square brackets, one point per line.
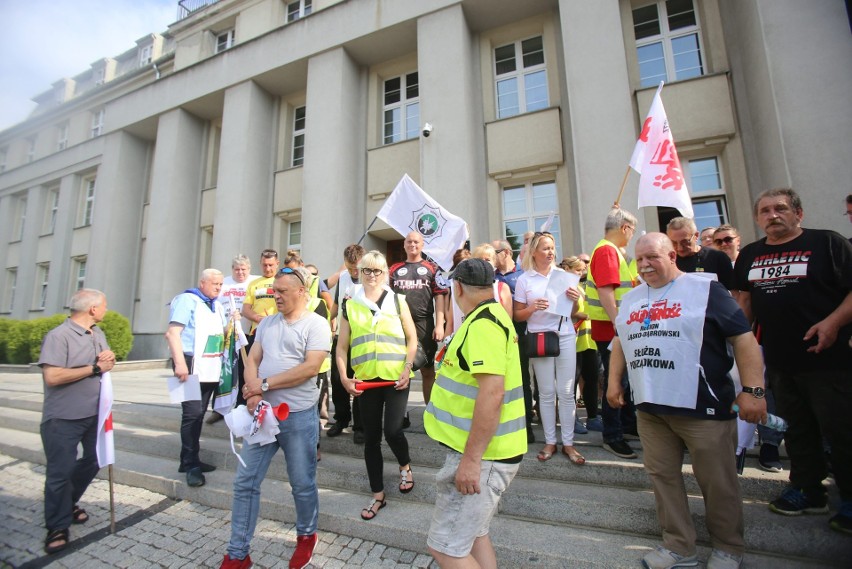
[543, 344]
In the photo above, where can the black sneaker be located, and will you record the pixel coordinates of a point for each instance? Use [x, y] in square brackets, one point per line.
[194, 477]
[204, 468]
[406, 422]
[794, 502]
[335, 429]
[358, 437]
[530, 434]
[769, 459]
[620, 449]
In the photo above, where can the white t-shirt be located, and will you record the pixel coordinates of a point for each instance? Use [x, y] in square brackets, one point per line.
[284, 347]
[237, 291]
[533, 285]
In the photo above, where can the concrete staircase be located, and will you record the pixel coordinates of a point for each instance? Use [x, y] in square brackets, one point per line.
[554, 514]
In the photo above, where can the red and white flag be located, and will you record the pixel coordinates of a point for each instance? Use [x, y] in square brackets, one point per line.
[106, 443]
[655, 157]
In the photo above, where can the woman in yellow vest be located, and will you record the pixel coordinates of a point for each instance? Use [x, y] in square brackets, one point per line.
[378, 333]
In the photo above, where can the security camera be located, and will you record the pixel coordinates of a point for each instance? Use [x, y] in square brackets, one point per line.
[427, 129]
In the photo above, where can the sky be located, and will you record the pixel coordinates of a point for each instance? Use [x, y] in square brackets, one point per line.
[46, 40]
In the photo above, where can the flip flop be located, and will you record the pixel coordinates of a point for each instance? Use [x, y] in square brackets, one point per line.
[574, 456]
[53, 536]
[79, 515]
[545, 455]
[369, 513]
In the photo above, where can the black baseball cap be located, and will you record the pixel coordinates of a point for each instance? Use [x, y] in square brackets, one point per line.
[474, 272]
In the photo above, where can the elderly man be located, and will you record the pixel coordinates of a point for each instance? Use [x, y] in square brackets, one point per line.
[416, 278]
[610, 277]
[477, 412]
[673, 335]
[289, 349]
[196, 338]
[73, 357]
[797, 284]
[693, 256]
[508, 272]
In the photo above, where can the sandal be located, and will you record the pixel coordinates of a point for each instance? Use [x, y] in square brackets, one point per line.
[545, 454]
[79, 515]
[59, 536]
[405, 485]
[574, 456]
[369, 513]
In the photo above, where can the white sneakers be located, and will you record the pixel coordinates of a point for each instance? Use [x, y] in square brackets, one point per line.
[721, 560]
[662, 558]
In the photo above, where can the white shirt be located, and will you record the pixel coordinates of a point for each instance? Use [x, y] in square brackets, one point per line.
[531, 286]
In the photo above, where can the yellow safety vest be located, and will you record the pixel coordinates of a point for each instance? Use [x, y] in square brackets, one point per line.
[377, 343]
[584, 331]
[627, 277]
[449, 415]
[313, 303]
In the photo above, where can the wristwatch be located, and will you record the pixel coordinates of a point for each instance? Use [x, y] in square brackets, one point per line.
[263, 385]
[756, 392]
[96, 369]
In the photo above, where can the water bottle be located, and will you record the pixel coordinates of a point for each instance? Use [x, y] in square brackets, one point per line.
[772, 421]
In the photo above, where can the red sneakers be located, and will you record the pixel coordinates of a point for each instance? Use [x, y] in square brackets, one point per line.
[304, 551]
[229, 563]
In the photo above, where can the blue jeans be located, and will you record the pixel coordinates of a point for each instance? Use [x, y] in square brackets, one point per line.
[298, 439]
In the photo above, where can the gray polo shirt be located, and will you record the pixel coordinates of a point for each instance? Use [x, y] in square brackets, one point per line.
[284, 347]
[69, 345]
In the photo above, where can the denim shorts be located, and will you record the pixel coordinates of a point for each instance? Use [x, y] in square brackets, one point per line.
[458, 519]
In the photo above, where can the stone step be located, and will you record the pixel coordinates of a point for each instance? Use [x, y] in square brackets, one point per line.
[519, 542]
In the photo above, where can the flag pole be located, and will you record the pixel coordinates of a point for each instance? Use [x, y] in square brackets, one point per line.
[368, 229]
[111, 503]
[623, 183]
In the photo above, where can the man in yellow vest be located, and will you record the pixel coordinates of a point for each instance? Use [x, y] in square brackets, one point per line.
[610, 278]
[477, 412]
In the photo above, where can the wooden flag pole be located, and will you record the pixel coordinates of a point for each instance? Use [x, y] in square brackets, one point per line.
[111, 503]
[623, 183]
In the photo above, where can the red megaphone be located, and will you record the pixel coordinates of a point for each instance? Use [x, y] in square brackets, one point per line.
[281, 412]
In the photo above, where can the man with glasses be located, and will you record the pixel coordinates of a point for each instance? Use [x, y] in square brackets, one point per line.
[289, 349]
[610, 278]
[508, 272]
[692, 257]
[416, 278]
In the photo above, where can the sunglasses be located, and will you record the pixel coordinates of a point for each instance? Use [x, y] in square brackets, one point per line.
[289, 271]
[540, 233]
[726, 240]
[371, 272]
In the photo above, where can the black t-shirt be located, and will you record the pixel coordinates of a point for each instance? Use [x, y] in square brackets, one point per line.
[716, 394]
[419, 283]
[708, 260]
[793, 286]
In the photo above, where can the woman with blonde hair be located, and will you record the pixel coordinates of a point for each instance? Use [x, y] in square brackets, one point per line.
[502, 293]
[377, 331]
[555, 375]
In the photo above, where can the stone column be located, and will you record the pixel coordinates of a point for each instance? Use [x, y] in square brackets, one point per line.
[243, 218]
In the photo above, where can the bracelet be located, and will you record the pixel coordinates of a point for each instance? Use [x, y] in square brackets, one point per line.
[409, 364]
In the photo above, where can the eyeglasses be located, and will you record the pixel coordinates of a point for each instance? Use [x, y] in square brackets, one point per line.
[371, 272]
[684, 244]
[726, 240]
[289, 271]
[498, 251]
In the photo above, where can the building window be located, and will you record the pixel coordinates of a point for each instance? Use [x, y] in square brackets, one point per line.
[294, 236]
[527, 208]
[52, 210]
[299, 136]
[521, 77]
[43, 274]
[31, 149]
[4, 152]
[87, 203]
[62, 136]
[401, 108]
[704, 180]
[99, 75]
[299, 9]
[78, 274]
[9, 294]
[97, 124]
[146, 55]
[667, 42]
[224, 40]
[21, 218]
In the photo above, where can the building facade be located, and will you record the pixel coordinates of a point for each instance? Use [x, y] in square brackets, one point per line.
[257, 123]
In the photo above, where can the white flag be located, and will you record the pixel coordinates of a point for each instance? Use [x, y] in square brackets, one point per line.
[105, 445]
[548, 223]
[655, 158]
[409, 208]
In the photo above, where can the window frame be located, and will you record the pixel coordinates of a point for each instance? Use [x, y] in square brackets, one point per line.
[303, 8]
[4, 157]
[665, 38]
[51, 211]
[79, 265]
[403, 105]
[87, 201]
[20, 217]
[291, 245]
[9, 291]
[534, 218]
[146, 55]
[230, 40]
[298, 139]
[520, 74]
[31, 148]
[62, 135]
[42, 282]
[719, 195]
[97, 128]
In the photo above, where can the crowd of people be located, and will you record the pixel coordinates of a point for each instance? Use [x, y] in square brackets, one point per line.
[649, 342]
